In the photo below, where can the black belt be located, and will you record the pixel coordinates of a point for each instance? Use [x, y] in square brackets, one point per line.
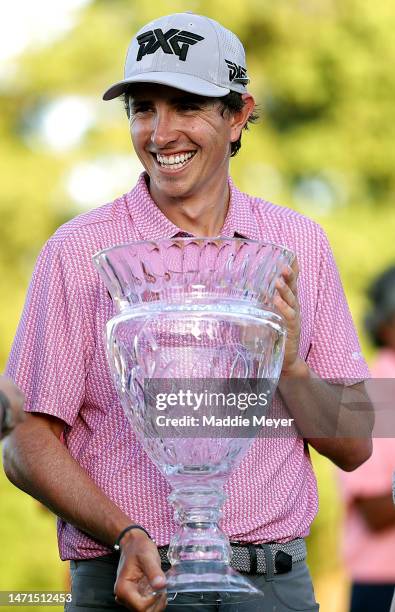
[251, 558]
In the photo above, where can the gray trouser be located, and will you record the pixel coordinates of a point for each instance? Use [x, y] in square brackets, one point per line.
[93, 584]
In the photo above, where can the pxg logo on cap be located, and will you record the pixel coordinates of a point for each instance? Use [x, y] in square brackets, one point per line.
[237, 73]
[172, 41]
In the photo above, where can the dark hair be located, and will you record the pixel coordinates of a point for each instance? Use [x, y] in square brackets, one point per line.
[232, 103]
[382, 297]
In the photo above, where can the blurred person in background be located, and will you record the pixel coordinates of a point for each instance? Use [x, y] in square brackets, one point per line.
[11, 406]
[369, 530]
[187, 105]
[393, 498]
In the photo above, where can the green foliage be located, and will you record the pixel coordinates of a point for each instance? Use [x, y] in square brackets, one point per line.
[323, 543]
[322, 73]
[29, 556]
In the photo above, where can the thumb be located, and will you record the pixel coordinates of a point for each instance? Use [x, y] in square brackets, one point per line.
[153, 572]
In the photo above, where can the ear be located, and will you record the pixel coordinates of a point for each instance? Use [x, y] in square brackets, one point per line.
[238, 120]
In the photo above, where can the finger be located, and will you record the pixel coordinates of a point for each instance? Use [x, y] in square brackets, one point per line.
[289, 313]
[286, 293]
[291, 274]
[127, 594]
[137, 584]
[295, 266]
[151, 567]
[160, 604]
[145, 605]
[150, 586]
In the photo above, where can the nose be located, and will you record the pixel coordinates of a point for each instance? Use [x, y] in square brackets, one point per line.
[164, 127]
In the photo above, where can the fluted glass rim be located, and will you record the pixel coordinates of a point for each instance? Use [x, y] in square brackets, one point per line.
[283, 249]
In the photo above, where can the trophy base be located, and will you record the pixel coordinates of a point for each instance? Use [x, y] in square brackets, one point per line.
[210, 581]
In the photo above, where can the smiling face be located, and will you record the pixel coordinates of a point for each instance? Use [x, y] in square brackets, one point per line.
[182, 140]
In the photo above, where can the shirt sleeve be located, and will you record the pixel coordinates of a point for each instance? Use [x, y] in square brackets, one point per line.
[47, 359]
[335, 352]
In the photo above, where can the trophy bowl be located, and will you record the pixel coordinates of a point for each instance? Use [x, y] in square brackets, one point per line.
[196, 327]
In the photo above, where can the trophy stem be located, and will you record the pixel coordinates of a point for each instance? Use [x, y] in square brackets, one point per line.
[199, 538]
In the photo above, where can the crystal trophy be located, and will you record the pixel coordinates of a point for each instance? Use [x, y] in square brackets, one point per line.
[195, 312]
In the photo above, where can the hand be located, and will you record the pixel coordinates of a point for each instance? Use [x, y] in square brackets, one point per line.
[12, 397]
[287, 304]
[139, 574]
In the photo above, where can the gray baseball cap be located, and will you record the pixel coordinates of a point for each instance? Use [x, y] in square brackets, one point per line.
[186, 51]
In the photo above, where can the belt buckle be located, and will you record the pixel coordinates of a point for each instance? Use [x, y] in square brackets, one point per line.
[282, 561]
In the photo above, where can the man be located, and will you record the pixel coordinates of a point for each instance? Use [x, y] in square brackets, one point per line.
[11, 406]
[185, 87]
[369, 525]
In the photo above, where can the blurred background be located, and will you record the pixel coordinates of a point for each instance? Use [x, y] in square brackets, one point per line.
[323, 75]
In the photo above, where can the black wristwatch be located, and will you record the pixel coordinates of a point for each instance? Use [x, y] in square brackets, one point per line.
[6, 419]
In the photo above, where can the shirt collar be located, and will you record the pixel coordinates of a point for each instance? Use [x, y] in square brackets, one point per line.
[152, 224]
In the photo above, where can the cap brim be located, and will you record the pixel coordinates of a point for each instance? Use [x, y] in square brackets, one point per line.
[184, 82]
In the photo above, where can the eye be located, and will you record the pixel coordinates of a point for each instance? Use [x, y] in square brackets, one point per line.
[140, 107]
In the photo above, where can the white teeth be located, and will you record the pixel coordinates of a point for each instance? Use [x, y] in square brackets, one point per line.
[175, 161]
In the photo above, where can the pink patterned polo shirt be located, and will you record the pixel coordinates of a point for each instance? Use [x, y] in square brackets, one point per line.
[58, 359]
